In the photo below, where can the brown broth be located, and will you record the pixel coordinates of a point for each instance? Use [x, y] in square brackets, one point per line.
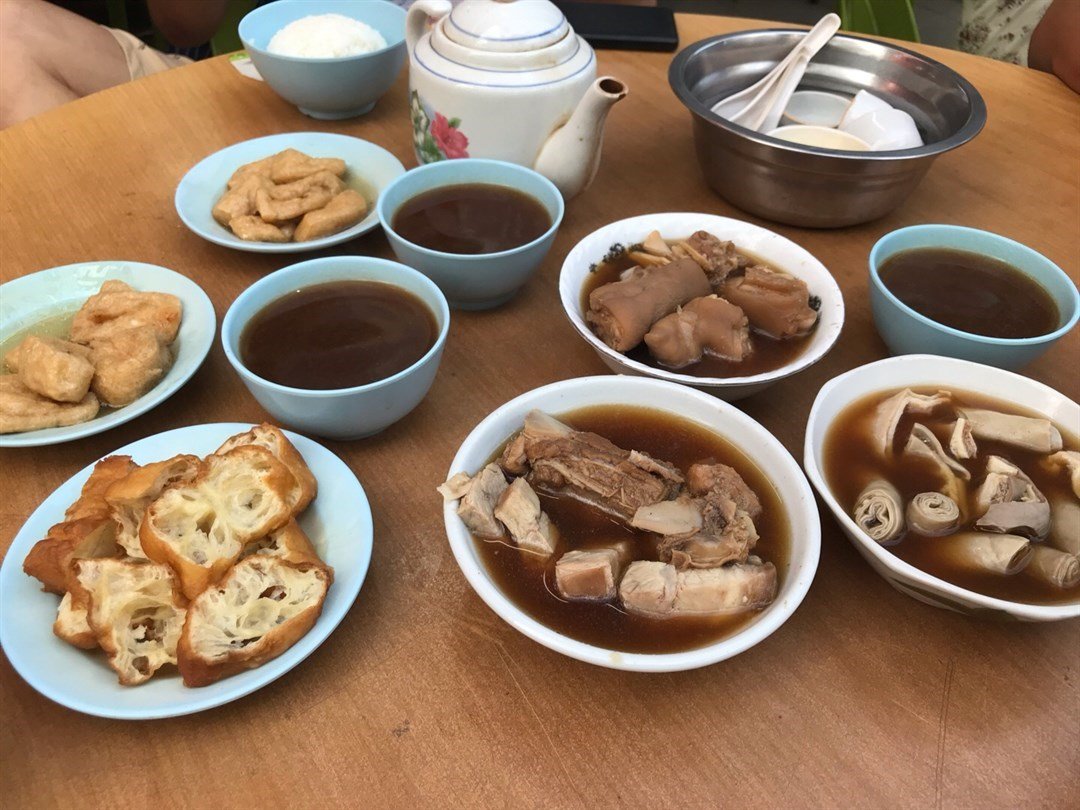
[970, 292]
[850, 463]
[471, 219]
[338, 335]
[530, 583]
[769, 354]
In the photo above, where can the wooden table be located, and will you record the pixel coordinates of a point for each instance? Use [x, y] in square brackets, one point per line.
[423, 697]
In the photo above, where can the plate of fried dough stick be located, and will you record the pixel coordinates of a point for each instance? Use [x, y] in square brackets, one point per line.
[184, 571]
[86, 347]
[286, 193]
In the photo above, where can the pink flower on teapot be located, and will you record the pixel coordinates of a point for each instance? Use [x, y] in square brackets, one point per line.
[450, 140]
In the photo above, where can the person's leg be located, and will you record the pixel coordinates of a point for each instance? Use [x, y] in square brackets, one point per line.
[49, 56]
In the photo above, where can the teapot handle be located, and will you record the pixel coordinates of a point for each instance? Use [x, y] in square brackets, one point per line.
[416, 21]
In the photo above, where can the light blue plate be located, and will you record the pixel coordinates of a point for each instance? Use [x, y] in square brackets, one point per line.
[338, 523]
[370, 169]
[31, 299]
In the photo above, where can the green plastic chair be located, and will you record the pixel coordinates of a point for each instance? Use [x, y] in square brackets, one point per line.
[884, 18]
[227, 39]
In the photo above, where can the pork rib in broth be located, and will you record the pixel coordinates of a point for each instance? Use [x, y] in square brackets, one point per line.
[973, 490]
[667, 537]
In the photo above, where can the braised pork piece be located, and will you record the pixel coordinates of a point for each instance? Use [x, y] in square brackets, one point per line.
[664, 547]
[699, 306]
[973, 490]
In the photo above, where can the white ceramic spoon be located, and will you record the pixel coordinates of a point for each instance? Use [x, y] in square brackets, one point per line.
[755, 105]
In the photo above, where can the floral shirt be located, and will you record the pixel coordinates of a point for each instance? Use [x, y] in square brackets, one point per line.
[1001, 29]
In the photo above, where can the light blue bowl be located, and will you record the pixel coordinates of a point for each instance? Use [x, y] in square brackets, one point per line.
[905, 331]
[340, 413]
[339, 87]
[473, 281]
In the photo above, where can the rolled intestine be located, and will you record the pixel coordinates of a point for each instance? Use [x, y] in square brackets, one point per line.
[1026, 432]
[1054, 567]
[879, 512]
[1065, 526]
[982, 551]
[620, 313]
[933, 514]
[1068, 460]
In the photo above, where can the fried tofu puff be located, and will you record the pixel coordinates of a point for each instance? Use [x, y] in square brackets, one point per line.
[293, 164]
[54, 368]
[129, 363]
[117, 307]
[299, 188]
[256, 167]
[255, 229]
[21, 409]
[273, 210]
[344, 211]
[239, 200]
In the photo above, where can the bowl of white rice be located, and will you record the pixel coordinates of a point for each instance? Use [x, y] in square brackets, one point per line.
[331, 58]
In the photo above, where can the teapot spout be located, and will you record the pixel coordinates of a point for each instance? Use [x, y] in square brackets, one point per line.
[571, 155]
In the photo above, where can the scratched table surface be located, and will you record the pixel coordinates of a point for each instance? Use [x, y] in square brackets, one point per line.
[423, 697]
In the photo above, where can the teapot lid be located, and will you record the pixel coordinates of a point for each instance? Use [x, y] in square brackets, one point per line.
[506, 25]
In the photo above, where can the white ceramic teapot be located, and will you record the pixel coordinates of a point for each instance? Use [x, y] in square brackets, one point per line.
[509, 80]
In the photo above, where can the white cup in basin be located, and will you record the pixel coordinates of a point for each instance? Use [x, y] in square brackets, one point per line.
[821, 137]
[815, 108]
[885, 129]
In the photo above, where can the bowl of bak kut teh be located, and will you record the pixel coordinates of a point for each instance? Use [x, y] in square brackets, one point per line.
[700, 300]
[477, 228]
[966, 293]
[957, 482]
[340, 347]
[632, 523]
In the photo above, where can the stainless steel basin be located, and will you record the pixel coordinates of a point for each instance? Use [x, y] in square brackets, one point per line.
[805, 185]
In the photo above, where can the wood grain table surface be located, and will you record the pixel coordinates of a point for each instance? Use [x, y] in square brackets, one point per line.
[423, 697]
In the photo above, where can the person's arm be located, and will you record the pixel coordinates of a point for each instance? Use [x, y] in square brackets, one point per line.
[187, 22]
[1055, 42]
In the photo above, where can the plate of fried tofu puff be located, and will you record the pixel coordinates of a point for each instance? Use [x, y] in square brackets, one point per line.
[184, 571]
[286, 193]
[86, 347]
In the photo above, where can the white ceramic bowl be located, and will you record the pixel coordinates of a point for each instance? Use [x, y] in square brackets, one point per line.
[726, 420]
[772, 248]
[820, 137]
[815, 108]
[339, 413]
[863, 102]
[884, 130]
[933, 372]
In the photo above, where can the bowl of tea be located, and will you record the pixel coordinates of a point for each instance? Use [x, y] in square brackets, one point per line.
[970, 294]
[477, 228]
[340, 347]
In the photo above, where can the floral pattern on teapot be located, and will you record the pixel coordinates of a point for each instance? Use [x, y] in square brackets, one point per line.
[436, 137]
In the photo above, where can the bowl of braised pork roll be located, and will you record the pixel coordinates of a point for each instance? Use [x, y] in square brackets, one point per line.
[701, 300]
[632, 523]
[958, 482]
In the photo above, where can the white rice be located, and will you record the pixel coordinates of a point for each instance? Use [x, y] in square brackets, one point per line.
[324, 36]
